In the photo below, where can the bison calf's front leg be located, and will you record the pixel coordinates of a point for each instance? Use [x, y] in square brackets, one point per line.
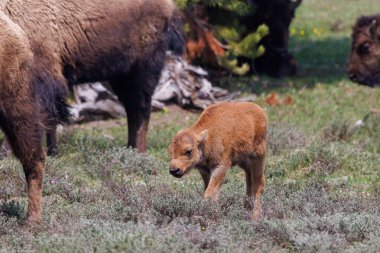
[205, 174]
[216, 180]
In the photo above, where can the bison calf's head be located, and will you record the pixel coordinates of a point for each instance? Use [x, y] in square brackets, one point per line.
[186, 151]
[364, 60]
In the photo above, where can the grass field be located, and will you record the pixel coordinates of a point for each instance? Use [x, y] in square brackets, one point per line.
[323, 175]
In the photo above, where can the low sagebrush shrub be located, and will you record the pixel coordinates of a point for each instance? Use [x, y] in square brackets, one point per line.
[12, 209]
[284, 137]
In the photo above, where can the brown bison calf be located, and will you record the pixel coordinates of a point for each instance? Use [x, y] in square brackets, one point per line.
[364, 60]
[226, 134]
[48, 45]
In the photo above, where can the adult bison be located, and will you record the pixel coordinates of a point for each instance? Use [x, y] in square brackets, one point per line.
[277, 15]
[364, 61]
[47, 45]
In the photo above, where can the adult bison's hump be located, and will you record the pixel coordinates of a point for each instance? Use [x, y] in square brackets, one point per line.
[94, 36]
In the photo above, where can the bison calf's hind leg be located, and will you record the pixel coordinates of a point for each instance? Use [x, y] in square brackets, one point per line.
[24, 136]
[258, 183]
[248, 202]
[255, 181]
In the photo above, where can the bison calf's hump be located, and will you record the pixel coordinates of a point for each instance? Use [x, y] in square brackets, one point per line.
[233, 124]
[226, 134]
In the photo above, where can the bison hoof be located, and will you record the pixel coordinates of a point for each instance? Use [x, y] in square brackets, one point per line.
[31, 222]
[248, 204]
[52, 152]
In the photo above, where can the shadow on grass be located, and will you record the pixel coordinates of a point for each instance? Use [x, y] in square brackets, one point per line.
[324, 60]
[320, 61]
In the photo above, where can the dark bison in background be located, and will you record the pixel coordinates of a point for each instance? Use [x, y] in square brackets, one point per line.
[364, 60]
[47, 45]
[277, 15]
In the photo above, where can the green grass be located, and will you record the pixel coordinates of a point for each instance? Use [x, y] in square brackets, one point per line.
[323, 174]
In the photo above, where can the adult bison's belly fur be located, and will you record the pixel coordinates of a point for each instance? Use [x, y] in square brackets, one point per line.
[47, 45]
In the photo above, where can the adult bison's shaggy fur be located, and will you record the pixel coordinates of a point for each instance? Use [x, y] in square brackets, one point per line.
[364, 61]
[225, 135]
[47, 45]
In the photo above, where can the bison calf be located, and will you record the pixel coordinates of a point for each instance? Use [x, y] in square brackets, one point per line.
[226, 134]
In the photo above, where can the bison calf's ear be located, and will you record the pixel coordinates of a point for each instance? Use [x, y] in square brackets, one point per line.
[202, 136]
[180, 131]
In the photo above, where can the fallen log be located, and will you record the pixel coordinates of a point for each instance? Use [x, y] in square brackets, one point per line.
[180, 83]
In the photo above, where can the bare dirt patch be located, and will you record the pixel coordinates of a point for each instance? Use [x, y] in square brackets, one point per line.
[172, 114]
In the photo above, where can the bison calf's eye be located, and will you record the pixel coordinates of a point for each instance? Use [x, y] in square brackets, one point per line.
[364, 48]
[188, 152]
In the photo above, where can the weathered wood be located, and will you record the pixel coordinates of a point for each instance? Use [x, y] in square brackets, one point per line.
[180, 83]
[94, 101]
[187, 86]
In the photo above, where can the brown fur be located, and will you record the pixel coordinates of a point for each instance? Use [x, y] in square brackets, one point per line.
[47, 45]
[364, 60]
[225, 135]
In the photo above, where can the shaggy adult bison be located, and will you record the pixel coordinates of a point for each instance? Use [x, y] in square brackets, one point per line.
[47, 45]
[364, 61]
[277, 15]
[225, 135]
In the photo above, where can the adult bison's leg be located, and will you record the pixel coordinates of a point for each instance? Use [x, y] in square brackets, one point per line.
[138, 121]
[137, 105]
[5, 149]
[51, 141]
[34, 173]
[135, 91]
[19, 121]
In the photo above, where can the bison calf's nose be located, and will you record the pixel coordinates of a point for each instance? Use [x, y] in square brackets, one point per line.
[176, 172]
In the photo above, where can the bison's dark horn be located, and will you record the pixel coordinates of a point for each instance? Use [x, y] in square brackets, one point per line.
[372, 28]
[295, 3]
